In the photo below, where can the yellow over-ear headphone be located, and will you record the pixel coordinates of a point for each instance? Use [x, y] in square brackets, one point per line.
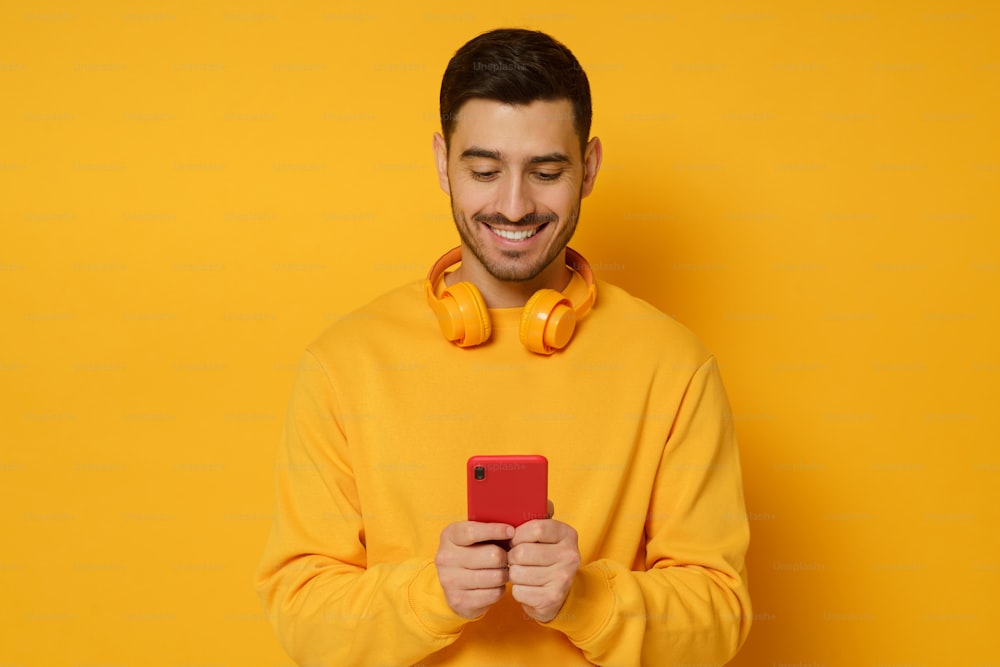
[547, 321]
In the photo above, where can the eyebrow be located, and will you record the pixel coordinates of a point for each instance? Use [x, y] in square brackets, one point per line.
[476, 152]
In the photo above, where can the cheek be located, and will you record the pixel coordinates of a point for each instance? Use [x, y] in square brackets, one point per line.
[560, 200]
[470, 201]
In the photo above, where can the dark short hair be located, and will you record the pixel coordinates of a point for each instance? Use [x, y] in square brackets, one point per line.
[515, 66]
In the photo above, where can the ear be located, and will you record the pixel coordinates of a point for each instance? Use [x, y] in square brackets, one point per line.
[441, 161]
[592, 158]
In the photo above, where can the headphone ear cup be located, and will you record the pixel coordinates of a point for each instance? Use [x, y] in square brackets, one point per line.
[547, 322]
[468, 320]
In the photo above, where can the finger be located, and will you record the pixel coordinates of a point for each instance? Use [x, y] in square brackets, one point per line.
[474, 557]
[548, 531]
[485, 557]
[467, 533]
[532, 554]
[542, 599]
[552, 509]
[479, 557]
[528, 575]
[480, 579]
[456, 577]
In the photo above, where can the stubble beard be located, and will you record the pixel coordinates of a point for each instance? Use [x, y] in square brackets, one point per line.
[511, 267]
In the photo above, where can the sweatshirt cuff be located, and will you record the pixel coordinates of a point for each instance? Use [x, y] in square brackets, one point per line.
[589, 605]
[430, 606]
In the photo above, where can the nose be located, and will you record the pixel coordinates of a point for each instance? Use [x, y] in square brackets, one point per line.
[513, 200]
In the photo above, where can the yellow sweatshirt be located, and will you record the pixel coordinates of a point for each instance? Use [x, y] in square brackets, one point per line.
[643, 463]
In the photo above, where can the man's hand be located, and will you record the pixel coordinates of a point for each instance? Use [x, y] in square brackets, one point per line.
[543, 560]
[473, 575]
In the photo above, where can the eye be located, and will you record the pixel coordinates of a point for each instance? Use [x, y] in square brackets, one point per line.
[484, 175]
[548, 175]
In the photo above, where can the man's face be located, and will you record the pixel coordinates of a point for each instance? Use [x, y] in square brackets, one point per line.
[515, 176]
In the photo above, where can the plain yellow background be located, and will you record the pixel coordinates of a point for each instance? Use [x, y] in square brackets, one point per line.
[189, 192]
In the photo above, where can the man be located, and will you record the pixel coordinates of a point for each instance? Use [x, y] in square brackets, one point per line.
[370, 560]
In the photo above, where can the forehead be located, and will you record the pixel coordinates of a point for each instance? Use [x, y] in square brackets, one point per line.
[516, 131]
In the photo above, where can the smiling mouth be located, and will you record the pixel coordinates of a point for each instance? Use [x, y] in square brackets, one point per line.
[519, 235]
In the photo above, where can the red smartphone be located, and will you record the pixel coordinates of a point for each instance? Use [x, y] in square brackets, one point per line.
[508, 489]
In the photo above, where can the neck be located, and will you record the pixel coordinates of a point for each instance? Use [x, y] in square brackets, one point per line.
[508, 293]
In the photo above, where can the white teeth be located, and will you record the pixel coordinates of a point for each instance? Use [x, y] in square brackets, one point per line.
[515, 236]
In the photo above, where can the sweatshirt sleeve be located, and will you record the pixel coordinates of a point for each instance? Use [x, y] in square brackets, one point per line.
[691, 605]
[326, 604]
